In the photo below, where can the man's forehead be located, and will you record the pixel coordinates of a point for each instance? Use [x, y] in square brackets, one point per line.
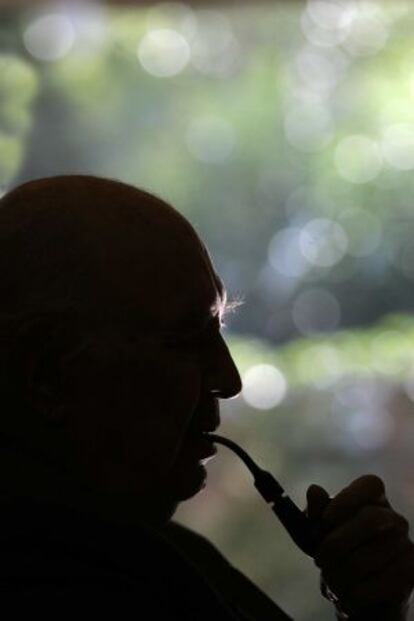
[177, 297]
[213, 292]
[194, 311]
[200, 292]
[172, 268]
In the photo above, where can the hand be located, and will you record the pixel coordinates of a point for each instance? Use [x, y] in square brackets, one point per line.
[366, 558]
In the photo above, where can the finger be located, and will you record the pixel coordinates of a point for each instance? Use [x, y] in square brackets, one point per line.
[368, 524]
[367, 562]
[366, 490]
[317, 501]
[393, 585]
[376, 556]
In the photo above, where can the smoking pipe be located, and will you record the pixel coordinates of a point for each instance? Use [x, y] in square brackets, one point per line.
[302, 530]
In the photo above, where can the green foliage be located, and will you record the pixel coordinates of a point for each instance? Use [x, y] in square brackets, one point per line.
[19, 82]
[348, 407]
[18, 89]
[386, 348]
[11, 150]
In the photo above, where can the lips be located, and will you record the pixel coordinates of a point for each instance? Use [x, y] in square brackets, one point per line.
[199, 448]
[205, 417]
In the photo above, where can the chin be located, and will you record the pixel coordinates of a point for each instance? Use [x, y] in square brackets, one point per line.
[163, 515]
[189, 484]
[181, 485]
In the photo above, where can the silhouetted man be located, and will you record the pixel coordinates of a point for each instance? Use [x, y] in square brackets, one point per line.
[111, 367]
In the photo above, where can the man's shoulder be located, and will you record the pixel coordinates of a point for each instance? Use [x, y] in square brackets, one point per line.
[242, 594]
[56, 557]
[67, 559]
[188, 539]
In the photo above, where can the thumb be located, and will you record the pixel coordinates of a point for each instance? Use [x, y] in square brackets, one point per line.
[317, 501]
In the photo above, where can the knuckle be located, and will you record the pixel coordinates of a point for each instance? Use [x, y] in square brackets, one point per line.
[328, 554]
[376, 480]
[370, 514]
[403, 523]
[374, 483]
[402, 526]
[380, 519]
[399, 523]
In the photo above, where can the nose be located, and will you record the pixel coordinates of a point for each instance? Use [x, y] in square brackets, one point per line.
[220, 372]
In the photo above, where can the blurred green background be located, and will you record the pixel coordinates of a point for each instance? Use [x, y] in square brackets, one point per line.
[285, 133]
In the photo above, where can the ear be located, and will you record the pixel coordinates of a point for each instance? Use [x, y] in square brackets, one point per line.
[37, 367]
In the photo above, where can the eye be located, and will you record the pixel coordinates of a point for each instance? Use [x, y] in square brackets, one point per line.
[184, 343]
[194, 342]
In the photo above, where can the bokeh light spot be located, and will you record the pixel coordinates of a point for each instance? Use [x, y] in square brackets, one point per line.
[323, 242]
[49, 37]
[215, 48]
[331, 14]
[285, 255]
[398, 146]
[318, 70]
[172, 15]
[326, 24]
[264, 386]
[358, 159]
[164, 53]
[369, 32]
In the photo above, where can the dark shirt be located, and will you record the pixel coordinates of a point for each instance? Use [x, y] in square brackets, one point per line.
[57, 559]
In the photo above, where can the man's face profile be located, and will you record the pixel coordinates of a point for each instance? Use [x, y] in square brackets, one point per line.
[135, 417]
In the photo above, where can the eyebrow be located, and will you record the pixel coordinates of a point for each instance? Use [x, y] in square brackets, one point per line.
[220, 303]
[229, 306]
[222, 306]
[218, 309]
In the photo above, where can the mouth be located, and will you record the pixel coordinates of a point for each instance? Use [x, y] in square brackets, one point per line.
[206, 419]
[199, 448]
[189, 473]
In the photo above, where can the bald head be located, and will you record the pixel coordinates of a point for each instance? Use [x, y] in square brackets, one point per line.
[123, 414]
[97, 245]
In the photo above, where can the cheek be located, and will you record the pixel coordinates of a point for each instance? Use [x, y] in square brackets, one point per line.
[132, 419]
[165, 397]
